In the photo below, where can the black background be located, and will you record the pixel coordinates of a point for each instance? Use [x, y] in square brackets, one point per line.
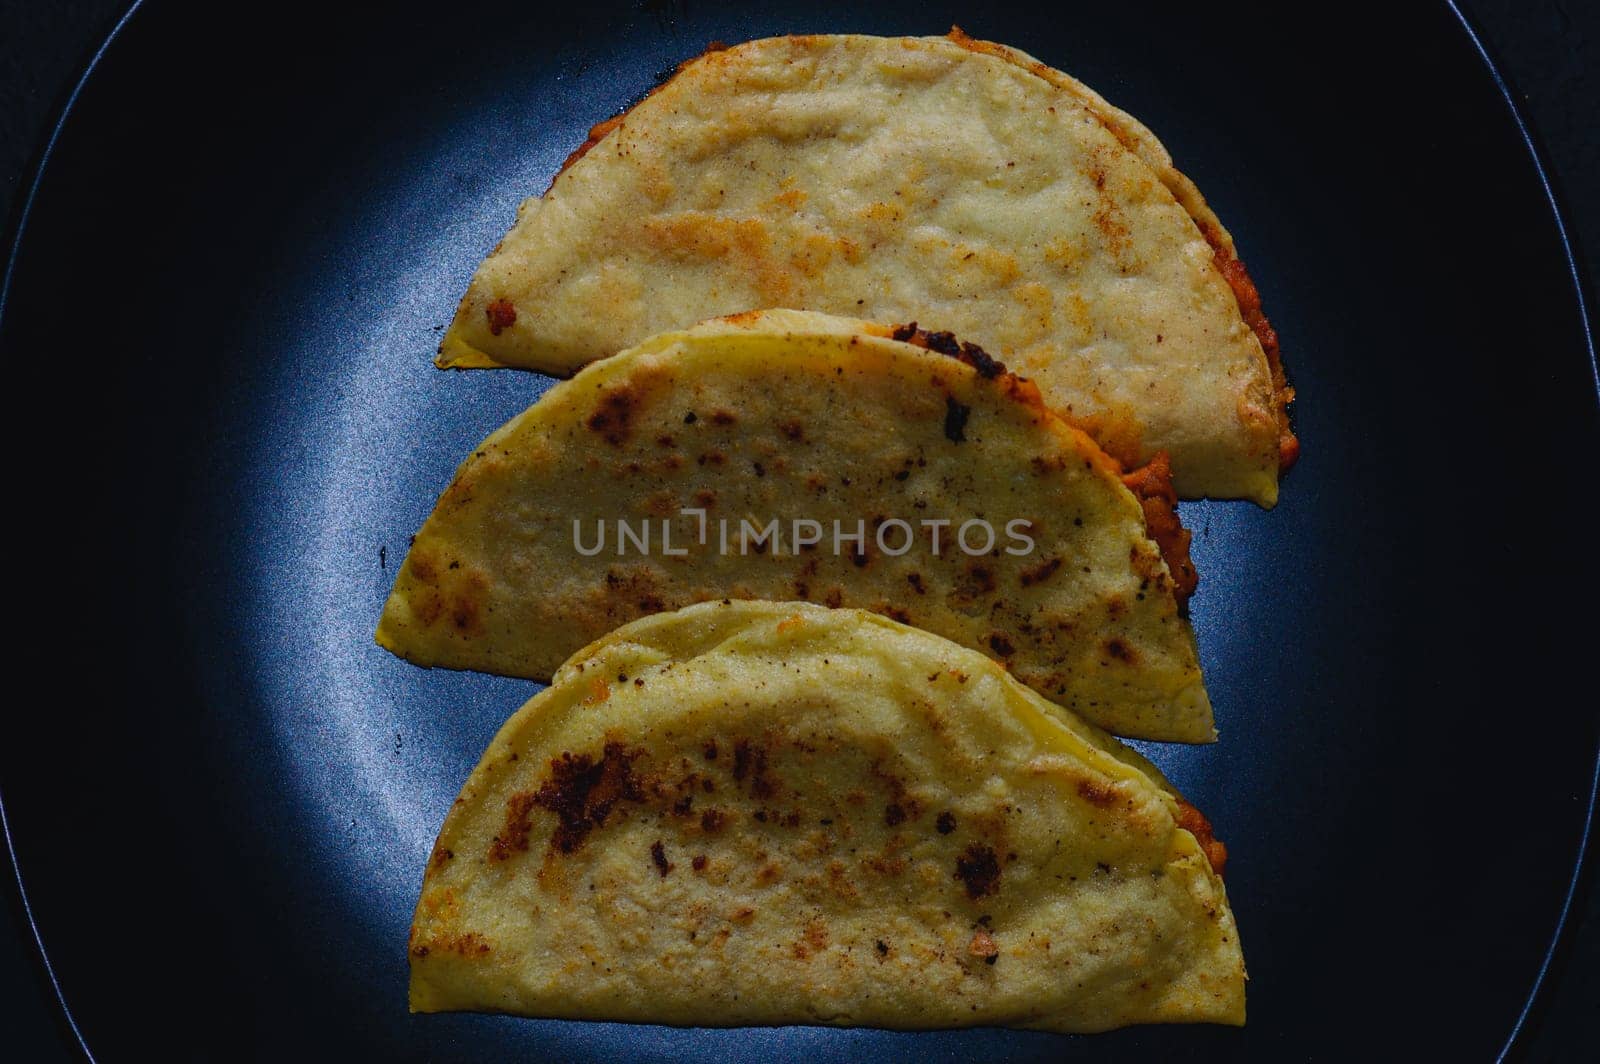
[1546, 50]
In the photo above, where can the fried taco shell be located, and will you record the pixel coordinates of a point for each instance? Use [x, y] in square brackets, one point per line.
[946, 180]
[933, 487]
[775, 813]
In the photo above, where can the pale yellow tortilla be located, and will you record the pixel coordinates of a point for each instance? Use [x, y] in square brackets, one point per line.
[946, 181]
[774, 813]
[781, 417]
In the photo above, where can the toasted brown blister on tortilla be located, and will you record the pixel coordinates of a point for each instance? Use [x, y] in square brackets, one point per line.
[776, 813]
[945, 180]
[789, 455]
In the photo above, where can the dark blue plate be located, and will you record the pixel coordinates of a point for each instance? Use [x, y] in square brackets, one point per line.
[234, 271]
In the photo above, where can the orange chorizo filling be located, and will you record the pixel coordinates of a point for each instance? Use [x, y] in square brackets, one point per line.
[1244, 290]
[1195, 823]
[1151, 484]
[1231, 268]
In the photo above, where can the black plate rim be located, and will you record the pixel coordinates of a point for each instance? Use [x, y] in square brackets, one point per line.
[1575, 272]
[18, 228]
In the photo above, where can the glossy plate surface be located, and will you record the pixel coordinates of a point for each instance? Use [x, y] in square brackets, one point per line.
[236, 267]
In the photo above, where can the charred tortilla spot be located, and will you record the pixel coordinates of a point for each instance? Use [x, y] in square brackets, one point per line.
[978, 870]
[816, 936]
[464, 613]
[658, 857]
[502, 316]
[1044, 465]
[901, 805]
[792, 430]
[955, 420]
[581, 791]
[750, 761]
[467, 944]
[427, 607]
[613, 416]
[1097, 792]
[1000, 644]
[1038, 574]
[987, 365]
[945, 343]
[513, 837]
[1118, 648]
[422, 568]
[888, 867]
[946, 823]
[713, 821]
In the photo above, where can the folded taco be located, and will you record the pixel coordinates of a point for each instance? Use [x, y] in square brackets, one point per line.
[788, 455]
[945, 180]
[776, 813]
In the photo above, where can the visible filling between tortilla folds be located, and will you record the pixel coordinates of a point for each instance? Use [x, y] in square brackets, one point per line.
[1228, 264]
[1151, 483]
[1244, 290]
[1195, 823]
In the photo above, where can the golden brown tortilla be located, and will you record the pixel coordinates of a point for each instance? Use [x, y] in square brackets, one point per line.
[772, 813]
[948, 181]
[943, 493]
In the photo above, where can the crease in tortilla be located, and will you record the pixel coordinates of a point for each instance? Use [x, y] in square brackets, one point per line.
[946, 180]
[775, 813]
[941, 491]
